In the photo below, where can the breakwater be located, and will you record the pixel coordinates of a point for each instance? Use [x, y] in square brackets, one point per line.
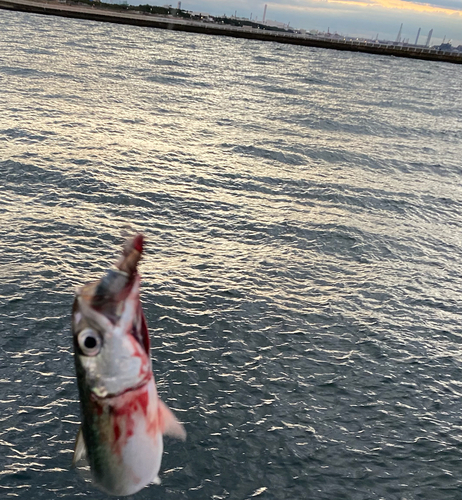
[140, 19]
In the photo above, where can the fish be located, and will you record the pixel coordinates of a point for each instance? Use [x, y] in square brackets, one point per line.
[123, 421]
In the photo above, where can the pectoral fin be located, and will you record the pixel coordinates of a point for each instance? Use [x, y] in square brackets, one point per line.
[80, 450]
[169, 424]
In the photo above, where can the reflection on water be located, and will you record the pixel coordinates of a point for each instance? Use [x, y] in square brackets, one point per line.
[301, 282]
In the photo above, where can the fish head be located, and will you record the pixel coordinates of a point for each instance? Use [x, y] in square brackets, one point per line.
[111, 340]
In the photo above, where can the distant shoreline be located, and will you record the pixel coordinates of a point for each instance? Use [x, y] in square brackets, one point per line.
[93, 13]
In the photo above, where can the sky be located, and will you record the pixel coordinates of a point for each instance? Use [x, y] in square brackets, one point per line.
[361, 18]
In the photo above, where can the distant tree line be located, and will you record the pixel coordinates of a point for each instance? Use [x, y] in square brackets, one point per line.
[163, 11]
[171, 11]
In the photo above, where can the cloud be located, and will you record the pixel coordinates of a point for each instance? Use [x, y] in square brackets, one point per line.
[448, 7]
[452, 5]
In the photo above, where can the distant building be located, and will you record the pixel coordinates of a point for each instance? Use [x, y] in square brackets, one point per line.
[276, 24]
[445, 46]
[200, 14]
[430, 33]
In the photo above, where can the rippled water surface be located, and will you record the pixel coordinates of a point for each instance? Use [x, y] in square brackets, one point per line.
[302, 281]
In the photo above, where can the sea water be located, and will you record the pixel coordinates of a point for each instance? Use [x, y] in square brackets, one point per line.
[302, 210]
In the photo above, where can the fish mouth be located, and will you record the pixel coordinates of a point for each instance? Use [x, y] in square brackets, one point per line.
[109, 293]
[108, 396]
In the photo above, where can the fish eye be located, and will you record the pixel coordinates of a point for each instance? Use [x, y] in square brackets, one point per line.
[89, 342]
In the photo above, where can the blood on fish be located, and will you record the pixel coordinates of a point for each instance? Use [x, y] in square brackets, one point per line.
[123, 413]
[117, 431]
[144, 331]
[138, 243]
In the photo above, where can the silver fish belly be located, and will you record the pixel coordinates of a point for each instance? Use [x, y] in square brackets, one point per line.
[123, 419]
